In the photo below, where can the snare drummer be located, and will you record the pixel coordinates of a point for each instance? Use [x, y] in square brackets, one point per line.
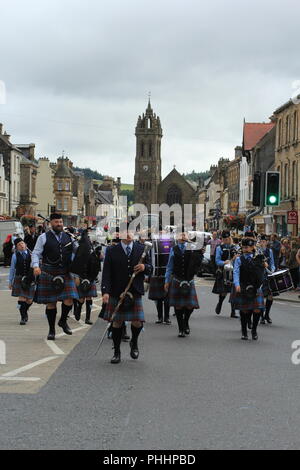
[182, 265]
[268, 295]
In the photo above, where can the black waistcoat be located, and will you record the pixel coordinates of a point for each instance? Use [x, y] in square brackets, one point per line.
[251, 272]
[58, 253]
[182, 264]
[22, 264]
[227, 253]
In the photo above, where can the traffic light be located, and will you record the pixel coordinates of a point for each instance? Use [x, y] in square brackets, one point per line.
[272, 188]
[256, 199]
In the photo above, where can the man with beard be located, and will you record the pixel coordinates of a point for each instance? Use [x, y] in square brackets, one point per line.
[55, 284]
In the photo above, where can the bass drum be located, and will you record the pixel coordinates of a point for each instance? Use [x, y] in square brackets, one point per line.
[160, 255]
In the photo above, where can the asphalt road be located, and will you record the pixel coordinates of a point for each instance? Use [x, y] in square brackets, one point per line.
[206, 391]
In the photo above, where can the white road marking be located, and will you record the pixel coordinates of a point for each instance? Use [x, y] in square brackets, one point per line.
[21, 379]
[29, 366]
[54, 348]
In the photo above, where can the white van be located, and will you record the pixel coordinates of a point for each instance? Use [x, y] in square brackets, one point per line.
[9, 227]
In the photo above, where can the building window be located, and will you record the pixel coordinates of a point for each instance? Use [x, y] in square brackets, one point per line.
[59, 186]
[150, 149]
[279, 132]
[142, 149]
[65, 204]
[286, 180]
[67, 186]
[287, 130]
[174, 195]
[294, 179]
[295, 131]
[59, 204]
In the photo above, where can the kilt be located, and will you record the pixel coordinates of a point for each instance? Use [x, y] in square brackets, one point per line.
[90, 293]
[135, 313]
[18, 291]
[156, 288]
[178, 301]
[242, 302]
[45, 294]
[219, 285]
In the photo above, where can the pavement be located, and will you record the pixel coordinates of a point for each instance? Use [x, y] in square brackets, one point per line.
[207, 391]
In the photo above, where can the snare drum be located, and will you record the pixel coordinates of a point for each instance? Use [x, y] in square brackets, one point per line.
[280, 281]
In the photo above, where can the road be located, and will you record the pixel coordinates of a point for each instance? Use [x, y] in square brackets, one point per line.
[206, 391]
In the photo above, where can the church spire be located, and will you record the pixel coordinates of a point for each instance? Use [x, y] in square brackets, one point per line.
[149, 110]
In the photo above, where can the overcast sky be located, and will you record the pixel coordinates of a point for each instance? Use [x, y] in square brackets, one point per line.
[78, 73]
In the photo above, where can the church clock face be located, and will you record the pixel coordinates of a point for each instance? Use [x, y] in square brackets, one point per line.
[145, 167]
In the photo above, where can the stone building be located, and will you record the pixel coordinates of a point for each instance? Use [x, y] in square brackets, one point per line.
[28, 172]
[63, 192]
[233, 182]
[287, 155]
[4, 189]
[44, 187]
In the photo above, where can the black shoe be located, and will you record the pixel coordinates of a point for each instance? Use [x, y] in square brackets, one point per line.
[187, 331]
[159, 321]
[65, 327]
[22, 322]
[233, 315]
[88, 322]
[51, 336]
[244, 337]
[254, 336]
[263, 321]
[116, 358]
[269, 320]
[181, 334]
[218, 309]
[134, 352]
[168, 322]
[26, 318]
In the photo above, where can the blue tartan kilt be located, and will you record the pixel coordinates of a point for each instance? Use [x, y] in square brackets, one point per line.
[90, 293]
[135, 313]
[242, 302]
[45, 294]
[156, 288]
[178, 301]
[18, 291]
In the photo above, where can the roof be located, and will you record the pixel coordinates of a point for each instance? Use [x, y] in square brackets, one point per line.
[254, 132]
[63, 171]
[104, 197]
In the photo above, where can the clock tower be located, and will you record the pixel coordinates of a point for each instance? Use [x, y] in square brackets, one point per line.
[147, 176]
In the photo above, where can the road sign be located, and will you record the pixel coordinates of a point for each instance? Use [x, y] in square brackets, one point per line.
[292, 217]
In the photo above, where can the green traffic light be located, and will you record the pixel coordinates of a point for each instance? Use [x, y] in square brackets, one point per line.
[272, 199]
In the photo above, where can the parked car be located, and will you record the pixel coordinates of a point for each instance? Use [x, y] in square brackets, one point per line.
[206, 265]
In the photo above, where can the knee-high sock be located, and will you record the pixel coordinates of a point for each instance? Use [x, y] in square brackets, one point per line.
[88, 306]
[116, 337]
[256, 318]
[244, 322]
[180, 319]
[166, 309]
[51, 316]
[135, 334]
[268, 307]
[65, 309]
[159, 307]
[187, 314]
[23, 308]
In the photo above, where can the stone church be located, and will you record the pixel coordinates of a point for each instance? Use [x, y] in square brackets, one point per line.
[149, 187]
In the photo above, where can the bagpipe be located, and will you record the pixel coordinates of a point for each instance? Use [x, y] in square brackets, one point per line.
[86, 263]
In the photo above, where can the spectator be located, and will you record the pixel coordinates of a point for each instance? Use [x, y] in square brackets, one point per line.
[275, 245]
[7, 250]
[293, 264]
[285, 253]
[213, 242]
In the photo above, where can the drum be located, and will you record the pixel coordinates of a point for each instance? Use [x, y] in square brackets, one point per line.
[160, 255]
[280, 281]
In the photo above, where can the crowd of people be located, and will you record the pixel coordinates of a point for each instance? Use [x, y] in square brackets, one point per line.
[57, 265]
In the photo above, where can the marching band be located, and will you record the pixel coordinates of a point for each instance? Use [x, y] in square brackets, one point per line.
[64, 268]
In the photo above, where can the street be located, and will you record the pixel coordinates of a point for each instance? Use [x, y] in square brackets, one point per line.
[206, 391]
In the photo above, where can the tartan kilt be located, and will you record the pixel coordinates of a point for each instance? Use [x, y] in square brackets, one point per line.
[45, 294]
[219, 285]
[18, 291]
[156, 288]
[135, 313]
[178, 301]
[90, 293]
[242, 302]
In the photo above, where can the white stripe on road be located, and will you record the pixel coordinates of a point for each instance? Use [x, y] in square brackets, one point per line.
[21, 379]
[54, 348]
[29, 366]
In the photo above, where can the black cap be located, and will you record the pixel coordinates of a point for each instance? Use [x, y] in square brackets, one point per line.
[18, 240]
[249, 234]
[55, 216]
[263, 237]
[248, 242]
[225, 234]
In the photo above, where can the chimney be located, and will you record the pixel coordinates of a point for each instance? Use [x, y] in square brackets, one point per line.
[31, 152]
[1, 128]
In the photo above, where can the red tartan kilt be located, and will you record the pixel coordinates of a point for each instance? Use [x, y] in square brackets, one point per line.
[244, 303]
[91, 293]
[135, 313]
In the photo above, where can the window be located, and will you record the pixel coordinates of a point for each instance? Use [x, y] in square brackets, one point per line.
[174, 195]
[142, 149]
[59, 204]
[67, 186]
[295, 130]
[286, 180]
[287, 129]
[294, 179]
[65, 204]
[59, 186]
[279, 132]
[150, 149]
